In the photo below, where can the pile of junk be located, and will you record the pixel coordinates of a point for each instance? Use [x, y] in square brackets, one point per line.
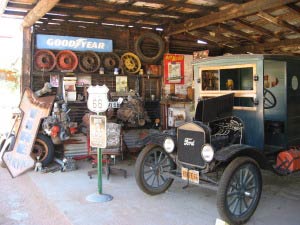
[41, 142]
[47, 143]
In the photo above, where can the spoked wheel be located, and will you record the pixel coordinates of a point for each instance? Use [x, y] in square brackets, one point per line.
[89, 62]
[239, 190]
[131, 63]
[150, 170]
[44, 148]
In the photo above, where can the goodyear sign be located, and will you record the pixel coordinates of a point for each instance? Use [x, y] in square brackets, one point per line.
[56, 42]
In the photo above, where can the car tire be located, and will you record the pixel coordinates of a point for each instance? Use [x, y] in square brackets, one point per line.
[150, 168]
[157, 39]
[5, 147]
[239, 190]
[43, 147]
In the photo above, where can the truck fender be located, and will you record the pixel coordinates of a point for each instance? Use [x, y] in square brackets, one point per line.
[227, 154]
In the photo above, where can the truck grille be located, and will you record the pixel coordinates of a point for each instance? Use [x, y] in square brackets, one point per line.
[191, 138]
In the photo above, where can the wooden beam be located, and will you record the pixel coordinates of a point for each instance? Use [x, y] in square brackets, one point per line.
[41, 8]
[3, 5]
[257, 29]
[235, 11]
[227, 28]
[278, 22]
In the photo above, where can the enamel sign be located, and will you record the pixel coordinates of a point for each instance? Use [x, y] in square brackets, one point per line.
[56, 42]
[98, 131]
[34, 109]
[97, 100]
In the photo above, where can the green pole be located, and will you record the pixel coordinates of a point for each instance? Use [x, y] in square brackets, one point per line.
[99, 153]
[99, 168]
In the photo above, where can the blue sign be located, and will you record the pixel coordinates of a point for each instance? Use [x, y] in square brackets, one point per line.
[56, 42]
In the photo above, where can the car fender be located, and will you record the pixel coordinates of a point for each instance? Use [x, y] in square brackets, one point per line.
[157, 139]
[227, 154]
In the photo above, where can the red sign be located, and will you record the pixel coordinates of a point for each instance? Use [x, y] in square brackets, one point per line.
[174, 69]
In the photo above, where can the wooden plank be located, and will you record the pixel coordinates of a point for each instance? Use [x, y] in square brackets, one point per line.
[260, 48]
[256, 28]
[278, 22]
[41, 8]
[34, 109]
[235, 11]
[26, 62]
[227, 28]
[3, 5]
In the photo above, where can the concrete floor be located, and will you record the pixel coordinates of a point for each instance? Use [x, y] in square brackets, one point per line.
[60, 198]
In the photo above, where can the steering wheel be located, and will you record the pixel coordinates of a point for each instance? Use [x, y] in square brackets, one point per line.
[269, 99]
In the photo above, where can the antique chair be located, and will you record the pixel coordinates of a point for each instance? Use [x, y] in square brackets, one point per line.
[114, 148]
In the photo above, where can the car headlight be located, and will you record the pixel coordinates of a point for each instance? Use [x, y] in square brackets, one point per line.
[207, 153]
[169, 145]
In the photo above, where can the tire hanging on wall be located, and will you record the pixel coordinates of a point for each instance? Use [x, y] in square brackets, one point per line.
[89, 62]
[66, 60]
[138, 47]
[44, 60]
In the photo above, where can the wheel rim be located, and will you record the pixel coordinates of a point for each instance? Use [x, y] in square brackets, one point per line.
[66, 60]
[44, 60]
[89, 62]
[243, 191]
[40, 149]
[155, 165]
[131, 62]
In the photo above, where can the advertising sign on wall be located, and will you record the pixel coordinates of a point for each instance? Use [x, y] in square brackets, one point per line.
[174, 69]
[56, 42]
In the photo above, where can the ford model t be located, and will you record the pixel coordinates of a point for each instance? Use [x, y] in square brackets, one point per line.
[246, 119]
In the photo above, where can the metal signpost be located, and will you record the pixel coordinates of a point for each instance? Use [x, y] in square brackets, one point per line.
[98, 102]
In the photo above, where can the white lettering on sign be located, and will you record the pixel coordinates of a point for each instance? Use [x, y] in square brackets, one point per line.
[189, 142]
[78, 43]
[97, 100]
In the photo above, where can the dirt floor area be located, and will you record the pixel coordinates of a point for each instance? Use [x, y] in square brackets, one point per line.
[60, 198]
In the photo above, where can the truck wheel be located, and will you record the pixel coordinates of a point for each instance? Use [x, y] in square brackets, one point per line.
[239, 190]
[150, 168]
[44, 148]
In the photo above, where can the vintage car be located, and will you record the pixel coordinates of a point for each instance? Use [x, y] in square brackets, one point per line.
[246, 119]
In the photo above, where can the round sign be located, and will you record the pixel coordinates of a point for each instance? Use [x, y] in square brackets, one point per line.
[97, 100]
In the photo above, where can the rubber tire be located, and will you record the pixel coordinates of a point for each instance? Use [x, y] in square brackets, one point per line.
[223, 184]
[139, 52]
[12, 137]
[47, 142]
[139, 176]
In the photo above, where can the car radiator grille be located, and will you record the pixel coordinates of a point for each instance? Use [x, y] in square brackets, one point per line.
[189, 146]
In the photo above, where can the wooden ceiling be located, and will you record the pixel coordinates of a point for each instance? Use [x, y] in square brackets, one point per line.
[227, 26]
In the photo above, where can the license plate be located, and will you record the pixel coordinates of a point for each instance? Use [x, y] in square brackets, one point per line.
[192, 175]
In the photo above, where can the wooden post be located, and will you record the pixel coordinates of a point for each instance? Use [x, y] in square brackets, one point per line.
[26, 62]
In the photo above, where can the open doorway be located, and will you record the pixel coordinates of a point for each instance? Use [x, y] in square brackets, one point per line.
[10, 69]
